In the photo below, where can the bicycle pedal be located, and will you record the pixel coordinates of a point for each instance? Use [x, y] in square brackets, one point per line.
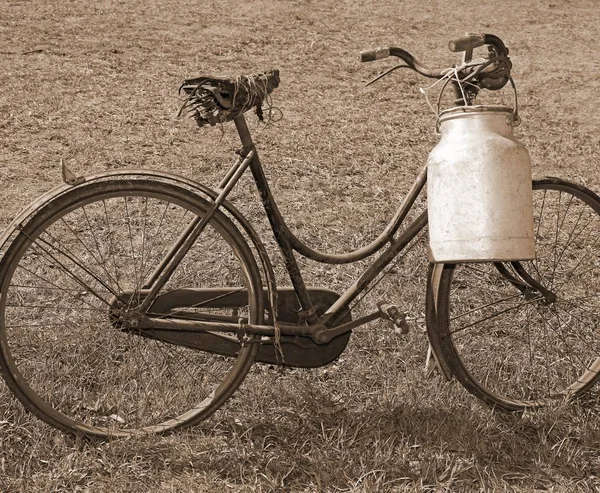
[395, 316]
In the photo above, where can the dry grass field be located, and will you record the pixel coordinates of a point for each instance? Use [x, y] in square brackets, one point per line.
[95, 84]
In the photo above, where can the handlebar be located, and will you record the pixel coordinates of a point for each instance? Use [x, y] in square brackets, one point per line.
[472, 41]
[466, 43]
[376, 54]
[491, 74]
[381, 53]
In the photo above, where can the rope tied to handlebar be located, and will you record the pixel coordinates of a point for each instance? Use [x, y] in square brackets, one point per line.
[468, 86]
[490, 71]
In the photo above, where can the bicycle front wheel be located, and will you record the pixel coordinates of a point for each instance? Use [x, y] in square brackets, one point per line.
[525, 334]
[62, 351]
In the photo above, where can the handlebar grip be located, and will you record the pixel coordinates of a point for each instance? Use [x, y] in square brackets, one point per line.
[467, 43]
[376, 54]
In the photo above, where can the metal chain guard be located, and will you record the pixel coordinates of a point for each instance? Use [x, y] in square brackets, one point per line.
[298, 351]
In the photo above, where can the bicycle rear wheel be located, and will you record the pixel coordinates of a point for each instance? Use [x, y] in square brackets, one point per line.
[62, 352]
[525, 334]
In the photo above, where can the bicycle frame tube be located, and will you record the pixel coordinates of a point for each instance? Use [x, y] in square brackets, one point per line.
[288, 242]
[338, 309]
[280, 227]
[387, 236]
[187, 238]
[277, 223]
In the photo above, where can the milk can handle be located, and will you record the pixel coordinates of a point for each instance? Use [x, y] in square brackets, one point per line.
[515, 119]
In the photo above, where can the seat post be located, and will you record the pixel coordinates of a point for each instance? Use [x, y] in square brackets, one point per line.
[277, 222]
[243, 131]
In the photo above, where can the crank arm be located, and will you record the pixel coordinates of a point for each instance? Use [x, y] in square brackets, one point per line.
[323, 335]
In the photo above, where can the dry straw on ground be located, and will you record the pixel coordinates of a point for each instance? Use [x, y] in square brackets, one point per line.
[96, 84]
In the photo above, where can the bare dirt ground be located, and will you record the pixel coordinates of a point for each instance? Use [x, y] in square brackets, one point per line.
[95, 84]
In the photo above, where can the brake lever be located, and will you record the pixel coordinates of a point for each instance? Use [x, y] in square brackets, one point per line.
[387, 72]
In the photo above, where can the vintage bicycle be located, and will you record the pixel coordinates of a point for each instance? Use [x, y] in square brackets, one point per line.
[136, 301]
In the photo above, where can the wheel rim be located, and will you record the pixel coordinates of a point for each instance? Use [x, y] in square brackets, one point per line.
[518, 349]
[68, 361]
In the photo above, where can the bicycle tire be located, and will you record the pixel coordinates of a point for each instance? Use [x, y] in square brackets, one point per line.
[61, 352]
[517, 349]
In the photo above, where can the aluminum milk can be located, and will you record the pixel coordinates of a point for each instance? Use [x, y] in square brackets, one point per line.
[479, 188]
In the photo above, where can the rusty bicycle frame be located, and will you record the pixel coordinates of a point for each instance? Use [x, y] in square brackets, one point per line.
[245, 315]
[321, 329]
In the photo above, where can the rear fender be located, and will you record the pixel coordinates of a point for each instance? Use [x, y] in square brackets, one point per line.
[198, 188]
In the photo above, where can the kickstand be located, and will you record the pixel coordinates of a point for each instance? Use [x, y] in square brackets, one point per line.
[431, 364]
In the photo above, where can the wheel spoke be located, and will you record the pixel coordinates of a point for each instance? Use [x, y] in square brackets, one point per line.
[69, 273]
[494, 315]
[49, 285]
[527, 352]
[67, 309]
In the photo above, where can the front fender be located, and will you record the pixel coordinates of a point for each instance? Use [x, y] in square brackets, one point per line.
[433, 332]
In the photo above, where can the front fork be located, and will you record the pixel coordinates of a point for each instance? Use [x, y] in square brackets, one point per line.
[530, 288]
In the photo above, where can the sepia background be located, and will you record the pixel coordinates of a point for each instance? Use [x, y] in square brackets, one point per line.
[95, 84]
